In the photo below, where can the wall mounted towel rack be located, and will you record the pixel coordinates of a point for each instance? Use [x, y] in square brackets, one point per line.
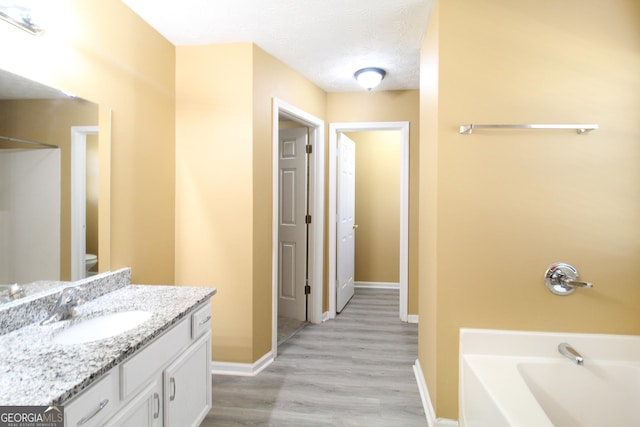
[580, 128]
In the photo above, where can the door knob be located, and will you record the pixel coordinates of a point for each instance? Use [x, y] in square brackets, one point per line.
[355, 226]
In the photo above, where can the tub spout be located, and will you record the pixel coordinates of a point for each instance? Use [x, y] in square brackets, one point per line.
[567, 351]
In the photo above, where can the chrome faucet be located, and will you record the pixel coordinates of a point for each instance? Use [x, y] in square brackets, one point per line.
[13, 292]
[567, 351]
[64, 308]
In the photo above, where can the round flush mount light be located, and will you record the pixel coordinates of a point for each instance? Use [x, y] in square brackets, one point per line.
[369, 77]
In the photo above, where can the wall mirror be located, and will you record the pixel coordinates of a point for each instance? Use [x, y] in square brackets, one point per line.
[54, 188]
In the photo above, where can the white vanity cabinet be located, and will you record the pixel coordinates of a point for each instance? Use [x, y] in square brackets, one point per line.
[167, 383]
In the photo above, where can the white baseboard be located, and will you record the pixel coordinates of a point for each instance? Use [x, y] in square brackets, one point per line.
[242, 369]
[325, 316]
[412, 318]
[424, 395]
[432, 421]
[377, 285]
[443, 422]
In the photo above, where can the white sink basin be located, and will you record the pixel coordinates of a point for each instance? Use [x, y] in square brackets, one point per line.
[102, 327]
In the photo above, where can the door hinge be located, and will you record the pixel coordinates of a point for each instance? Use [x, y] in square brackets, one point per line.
[307, 289]
[307, 219]
[309, 148]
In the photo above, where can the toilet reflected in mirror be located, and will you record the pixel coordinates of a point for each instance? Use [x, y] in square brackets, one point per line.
[90, 261]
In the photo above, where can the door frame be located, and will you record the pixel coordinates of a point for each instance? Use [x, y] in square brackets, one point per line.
[79, 198]
[334, 130]
[316, 206]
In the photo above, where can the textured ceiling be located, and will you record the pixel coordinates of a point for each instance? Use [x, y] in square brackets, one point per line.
[324, 40]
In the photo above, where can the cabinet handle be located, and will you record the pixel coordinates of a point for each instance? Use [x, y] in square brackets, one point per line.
[93, 413]
[156, 396]
[172, 383]
[205, 320]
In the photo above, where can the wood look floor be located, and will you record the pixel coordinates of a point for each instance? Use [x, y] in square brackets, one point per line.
[356, 370]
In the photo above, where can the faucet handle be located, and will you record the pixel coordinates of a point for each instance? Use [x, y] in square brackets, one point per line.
[64, 307]
[69, 296]
[562, 279]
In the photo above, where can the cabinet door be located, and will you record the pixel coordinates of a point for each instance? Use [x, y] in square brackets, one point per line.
[187, 386]
[145, 410]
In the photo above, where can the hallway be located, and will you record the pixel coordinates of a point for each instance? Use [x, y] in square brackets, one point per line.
[355, 370]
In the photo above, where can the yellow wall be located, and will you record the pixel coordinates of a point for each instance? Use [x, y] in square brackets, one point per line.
[50, 122]
[428, 203]
[214, 204]
[510, 203]
[389, 106]
[103, 52]
[224, 184]
[377, 257]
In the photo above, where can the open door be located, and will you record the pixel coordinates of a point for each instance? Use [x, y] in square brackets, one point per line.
[292, 227]
[346, 228]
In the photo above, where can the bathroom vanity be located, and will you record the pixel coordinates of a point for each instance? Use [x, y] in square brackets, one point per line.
[154, 373]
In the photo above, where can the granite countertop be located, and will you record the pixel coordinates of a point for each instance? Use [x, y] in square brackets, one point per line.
[38, 371]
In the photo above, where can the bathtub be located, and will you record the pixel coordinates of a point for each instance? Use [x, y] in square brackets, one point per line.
[519, 379]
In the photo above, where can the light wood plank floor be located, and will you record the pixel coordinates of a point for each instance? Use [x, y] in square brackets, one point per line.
[356, 370]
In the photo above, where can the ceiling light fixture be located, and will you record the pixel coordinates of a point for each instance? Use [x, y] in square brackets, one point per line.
[20, 16]
[369, 77]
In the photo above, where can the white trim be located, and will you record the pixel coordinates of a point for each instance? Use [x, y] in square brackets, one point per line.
[242, 369]
[424, 395]
[413, 318]
[403, 127]
[316, 206]
[78, 198]
[444, 422]
[429, 412]
[377, 285]
[325, 316]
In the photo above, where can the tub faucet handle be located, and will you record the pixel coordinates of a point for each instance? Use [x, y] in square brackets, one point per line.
[562, 279]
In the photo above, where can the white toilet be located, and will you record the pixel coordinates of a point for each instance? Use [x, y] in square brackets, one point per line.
[90, 260]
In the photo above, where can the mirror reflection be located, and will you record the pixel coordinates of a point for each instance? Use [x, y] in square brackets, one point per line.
[49, 168]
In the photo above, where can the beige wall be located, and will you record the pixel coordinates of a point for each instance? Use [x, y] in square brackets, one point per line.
[214, 161]
[503, 205]
[377, 257]
[50, 122]
[129, 68]
[224, 184]
[388, 106]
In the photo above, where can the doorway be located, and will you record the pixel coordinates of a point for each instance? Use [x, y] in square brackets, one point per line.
[315, 228]
[293, 289]
[335, 130]
[79, 140]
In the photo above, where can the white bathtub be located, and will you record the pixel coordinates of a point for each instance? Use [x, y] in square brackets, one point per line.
[519, 379]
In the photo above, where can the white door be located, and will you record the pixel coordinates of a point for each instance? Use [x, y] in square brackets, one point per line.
[292, 229]
[345, 253]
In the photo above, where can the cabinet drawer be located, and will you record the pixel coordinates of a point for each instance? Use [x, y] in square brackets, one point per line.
[95, 404]
[137, 371]
[201, 321]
